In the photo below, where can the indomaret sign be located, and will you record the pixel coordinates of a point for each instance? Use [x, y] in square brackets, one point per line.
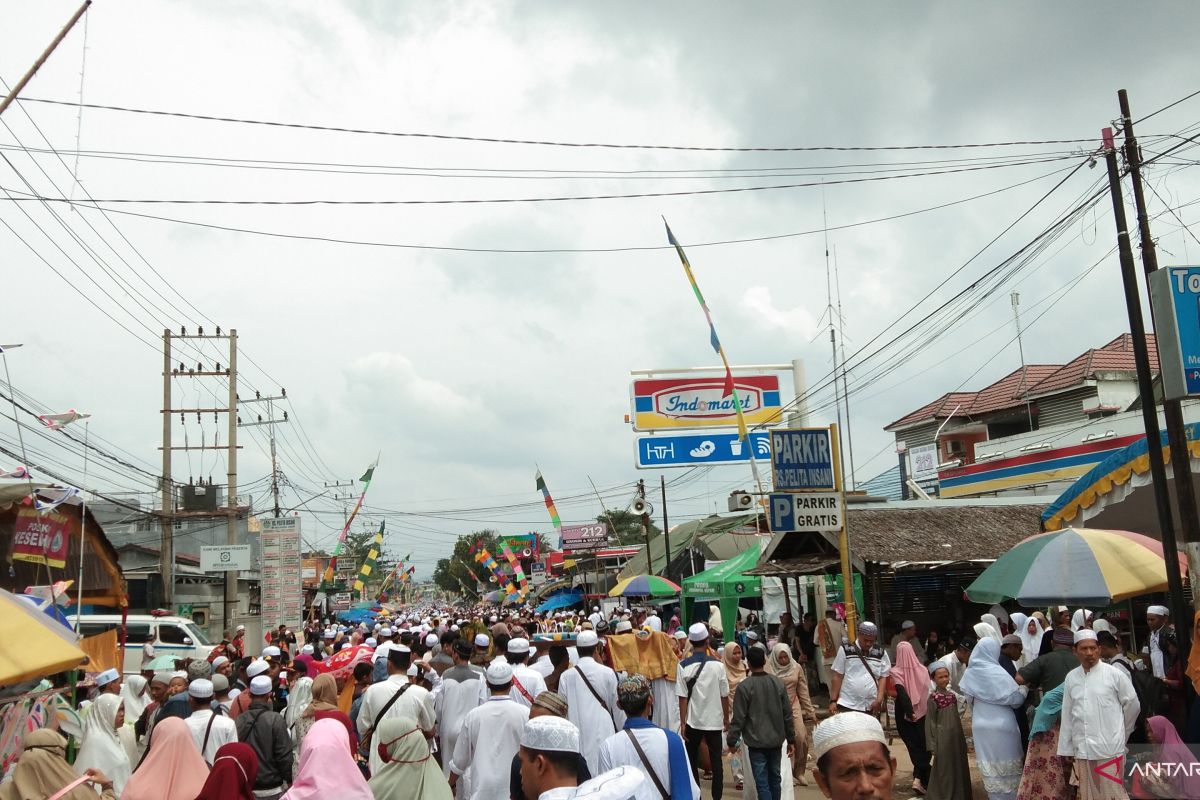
[666, 403]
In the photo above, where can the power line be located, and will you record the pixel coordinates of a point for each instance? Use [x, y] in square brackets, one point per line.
[549, 143]
[516, 200]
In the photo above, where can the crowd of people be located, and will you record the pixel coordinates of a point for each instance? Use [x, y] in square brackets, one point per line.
[481, 703]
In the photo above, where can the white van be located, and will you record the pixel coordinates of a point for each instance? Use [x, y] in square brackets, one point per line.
[175, 636]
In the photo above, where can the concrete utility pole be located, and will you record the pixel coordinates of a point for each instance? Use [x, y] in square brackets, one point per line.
[169, 512]
[1181, 465]
[641, 493]
[272, 422]
[662, 482]
[1137, 329]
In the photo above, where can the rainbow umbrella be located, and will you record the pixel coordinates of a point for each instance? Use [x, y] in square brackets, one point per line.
[644, 586]
[1075, 566]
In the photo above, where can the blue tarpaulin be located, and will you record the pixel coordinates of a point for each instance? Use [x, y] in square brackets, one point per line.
[563, 599]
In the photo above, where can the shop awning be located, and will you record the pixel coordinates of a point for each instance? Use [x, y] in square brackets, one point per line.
[727, 579]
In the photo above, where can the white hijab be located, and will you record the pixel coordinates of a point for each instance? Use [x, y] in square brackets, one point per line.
[299, 696]
[135, 697]
[101, 749]
[985, 679]
[1080, 619]
[1031, 643]
[994, 624]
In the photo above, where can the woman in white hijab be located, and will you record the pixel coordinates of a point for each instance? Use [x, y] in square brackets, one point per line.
[299, 696]
[135, 696]
[994, 623]
[1031, 637]
[993, 695]
[1082, 618]
[101, 749]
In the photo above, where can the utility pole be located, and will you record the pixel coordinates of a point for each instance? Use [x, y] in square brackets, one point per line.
[662, 482]
[1172, 409]
[641, 493]
[169, 512]
[1137, 329]
[272, 422]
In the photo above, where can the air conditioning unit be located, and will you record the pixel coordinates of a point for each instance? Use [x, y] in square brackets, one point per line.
[740, 501]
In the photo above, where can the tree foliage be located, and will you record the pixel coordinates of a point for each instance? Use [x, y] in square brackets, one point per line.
[625, 527]
[450, 571]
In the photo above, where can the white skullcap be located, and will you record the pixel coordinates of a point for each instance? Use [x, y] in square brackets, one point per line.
[218, 661]
[179, 673]
[550, 733]
[752, 636]
[453, 627]
[623, 626]
[698, 632]
[257, 667]
[867, 628]
[908, 623]
[518, 646]
[431, 640]
[1161, 611]
[201, 689]
[241, 628]
[329, 634]
[587, 639]
[492, 618]
[1083, 634]
[849, 727]
[499, 672]
[371, 642]
[413, 671]
[308, 648]
[271, 652]
[681, 634]
[386, 632]
[107, 677]
[482, 640]
[260, 685]
[161, 677]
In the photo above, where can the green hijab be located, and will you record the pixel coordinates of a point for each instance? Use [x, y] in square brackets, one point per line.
[410, 771]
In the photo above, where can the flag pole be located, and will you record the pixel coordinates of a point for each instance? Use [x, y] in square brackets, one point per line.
[82, 528]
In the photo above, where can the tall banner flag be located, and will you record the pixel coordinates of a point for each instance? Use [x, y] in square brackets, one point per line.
[541, 485]
[327, 578]
[372, 557]
[518, 573]
[485, 558]
[730, 389]
[712, 332]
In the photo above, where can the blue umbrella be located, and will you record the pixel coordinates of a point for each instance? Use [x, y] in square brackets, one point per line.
[49, 609]
[561, 600]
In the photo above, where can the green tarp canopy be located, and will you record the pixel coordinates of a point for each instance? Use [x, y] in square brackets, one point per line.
[726, 583]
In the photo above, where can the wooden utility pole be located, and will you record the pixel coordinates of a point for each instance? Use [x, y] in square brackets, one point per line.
[28, 76]
[1181, 465]
[1137, 329]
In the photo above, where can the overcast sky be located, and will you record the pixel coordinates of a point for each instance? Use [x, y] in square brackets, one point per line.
[464, 369]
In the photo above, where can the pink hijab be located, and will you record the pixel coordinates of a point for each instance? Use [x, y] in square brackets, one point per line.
[326, 768]
[172, 770]
[1171, 750]
[910, 673]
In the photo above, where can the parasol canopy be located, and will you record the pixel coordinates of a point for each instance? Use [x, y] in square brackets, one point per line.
[1075, 566]
[644, 586]
[342, 663]
[45, 646]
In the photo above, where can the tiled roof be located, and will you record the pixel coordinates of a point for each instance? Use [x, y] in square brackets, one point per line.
[1116, 356]
[939, 409]
[1041, 379]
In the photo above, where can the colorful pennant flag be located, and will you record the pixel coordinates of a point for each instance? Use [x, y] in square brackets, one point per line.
[327, 578]
[58, 421]
[730, 389]
[372, 556]
[541, 485]
[518, 573]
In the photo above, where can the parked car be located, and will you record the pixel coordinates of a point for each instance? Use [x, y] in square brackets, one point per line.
[175, 636]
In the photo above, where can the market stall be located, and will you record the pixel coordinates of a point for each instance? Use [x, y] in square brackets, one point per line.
[725, 584]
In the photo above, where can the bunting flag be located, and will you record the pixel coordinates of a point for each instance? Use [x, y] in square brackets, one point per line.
[712, 334]
[327, 578]
[372, 556]
[518, 573]
[59, 421]
[391, 576]
[541, 485]
[472, 572]
[485, 558]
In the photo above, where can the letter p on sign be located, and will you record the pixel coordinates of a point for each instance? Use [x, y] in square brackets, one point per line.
[781, 510]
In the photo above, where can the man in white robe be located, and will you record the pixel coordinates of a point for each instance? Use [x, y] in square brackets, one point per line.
[656, 744]
[1158, 618]
[490, 737]
[410, 701]
[590, 690]
[457, 696]
[527, 682]
[209, 732]
[1099, 711]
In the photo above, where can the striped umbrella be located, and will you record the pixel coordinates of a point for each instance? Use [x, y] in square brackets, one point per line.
[1075, 566]
[644, 586]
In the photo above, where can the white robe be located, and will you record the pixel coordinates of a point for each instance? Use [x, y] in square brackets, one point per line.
[594, 723]
[457, 696]
[531, 680]
[1099, 710]
[666, 704]
[416, 703]
[101, 748]
[483, 754]
[617, 751]
[223, 732]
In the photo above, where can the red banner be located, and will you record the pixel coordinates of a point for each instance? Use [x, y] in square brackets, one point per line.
[41, 538]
